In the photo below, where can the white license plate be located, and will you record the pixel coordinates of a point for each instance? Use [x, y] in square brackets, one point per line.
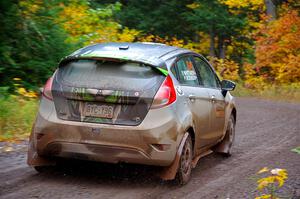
[94, 110]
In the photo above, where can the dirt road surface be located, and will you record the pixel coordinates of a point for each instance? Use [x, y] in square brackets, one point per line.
[266, 132]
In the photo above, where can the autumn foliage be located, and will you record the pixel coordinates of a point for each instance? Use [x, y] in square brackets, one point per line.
[277, 52]
[244, 44]
[226, 69]
[88, 26]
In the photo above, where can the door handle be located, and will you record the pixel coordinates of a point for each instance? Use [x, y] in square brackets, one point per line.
[192, 97]
[213, 98]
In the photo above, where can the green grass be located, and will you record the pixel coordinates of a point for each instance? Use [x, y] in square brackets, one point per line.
[16, 117]
[287, 93]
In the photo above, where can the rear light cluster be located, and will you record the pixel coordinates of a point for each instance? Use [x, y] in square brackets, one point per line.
[47, 89]
[165, 95]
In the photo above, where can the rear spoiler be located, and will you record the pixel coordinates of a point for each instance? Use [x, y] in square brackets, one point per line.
[156, 63]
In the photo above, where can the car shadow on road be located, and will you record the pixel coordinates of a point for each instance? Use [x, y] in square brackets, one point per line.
[122, 174]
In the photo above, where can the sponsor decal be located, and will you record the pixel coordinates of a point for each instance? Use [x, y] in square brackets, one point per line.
[189, 75]
[163, 71]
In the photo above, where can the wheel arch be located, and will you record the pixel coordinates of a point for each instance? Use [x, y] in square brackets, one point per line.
[233, 112]
[191, 132]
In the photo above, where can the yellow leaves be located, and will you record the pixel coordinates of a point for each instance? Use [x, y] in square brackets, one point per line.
[254, 24]
[263, 170]
[265, 196]
[277, 52]
[74, 19]
[22, 91]
[193, 5]
[281, 175]
[252, 4]
[128, 35]
[280, 181]
[89, 26]
[273, 181]
[29, 8]
[25, 93]
[264, 182]
[225, 68]
[200, 47]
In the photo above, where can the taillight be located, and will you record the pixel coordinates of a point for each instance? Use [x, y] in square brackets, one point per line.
[47, 89]
[165, 95]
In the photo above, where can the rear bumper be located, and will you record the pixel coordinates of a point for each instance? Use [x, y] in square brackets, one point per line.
[106, 143]
[98, 152]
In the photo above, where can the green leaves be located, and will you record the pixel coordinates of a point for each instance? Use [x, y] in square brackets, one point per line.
[296, 150]
[156, 17]
[31, 42]
[211, 16]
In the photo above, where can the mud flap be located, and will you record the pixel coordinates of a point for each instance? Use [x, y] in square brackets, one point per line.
[169, 173]
[33, 159]
[222, 147]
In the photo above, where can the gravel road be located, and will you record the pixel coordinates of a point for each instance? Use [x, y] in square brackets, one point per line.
[266, 132]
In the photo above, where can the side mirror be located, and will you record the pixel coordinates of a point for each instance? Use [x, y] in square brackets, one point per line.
[227, 85]
[41, 89]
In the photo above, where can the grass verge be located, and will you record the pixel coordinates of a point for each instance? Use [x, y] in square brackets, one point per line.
[286, 93]
[16, 117]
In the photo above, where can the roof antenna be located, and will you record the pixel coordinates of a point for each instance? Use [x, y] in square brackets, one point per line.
[123, 47]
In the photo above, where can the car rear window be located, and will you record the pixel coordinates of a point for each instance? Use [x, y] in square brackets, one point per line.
[109, 75]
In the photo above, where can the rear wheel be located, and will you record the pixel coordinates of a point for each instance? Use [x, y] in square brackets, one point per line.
[42, 169]
[185, 164]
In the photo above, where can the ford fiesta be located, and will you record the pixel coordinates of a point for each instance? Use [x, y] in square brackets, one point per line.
[142, 103]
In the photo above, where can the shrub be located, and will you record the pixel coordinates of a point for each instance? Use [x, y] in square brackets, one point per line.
[17, 114]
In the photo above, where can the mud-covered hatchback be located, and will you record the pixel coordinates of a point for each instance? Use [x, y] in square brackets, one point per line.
[142, 103]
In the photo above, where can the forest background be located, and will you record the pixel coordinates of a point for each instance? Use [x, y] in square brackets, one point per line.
[255, 43]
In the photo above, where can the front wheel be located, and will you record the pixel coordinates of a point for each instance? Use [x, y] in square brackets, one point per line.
[224, 147]
[185, 164]
[229, 137]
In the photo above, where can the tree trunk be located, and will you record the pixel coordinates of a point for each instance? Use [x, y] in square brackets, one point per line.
[221, 48]
[196, 37]
[271, 9]
[212, 44]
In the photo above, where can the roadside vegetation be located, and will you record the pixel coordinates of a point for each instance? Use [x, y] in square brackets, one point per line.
[254, 43]
[17, 113]
[284, 93]
[270, 182]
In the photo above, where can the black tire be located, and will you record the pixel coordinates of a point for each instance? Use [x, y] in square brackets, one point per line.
[42, 169]
[185, 164]
[230, 135]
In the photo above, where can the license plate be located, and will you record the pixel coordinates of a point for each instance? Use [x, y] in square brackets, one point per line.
[95, 110]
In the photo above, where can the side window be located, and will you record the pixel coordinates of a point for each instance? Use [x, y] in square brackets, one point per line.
[186, 73]
[207, 75]
[174, 71]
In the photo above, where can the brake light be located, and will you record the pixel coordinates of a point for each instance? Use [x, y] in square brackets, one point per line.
[47, 89]
[165, 95]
